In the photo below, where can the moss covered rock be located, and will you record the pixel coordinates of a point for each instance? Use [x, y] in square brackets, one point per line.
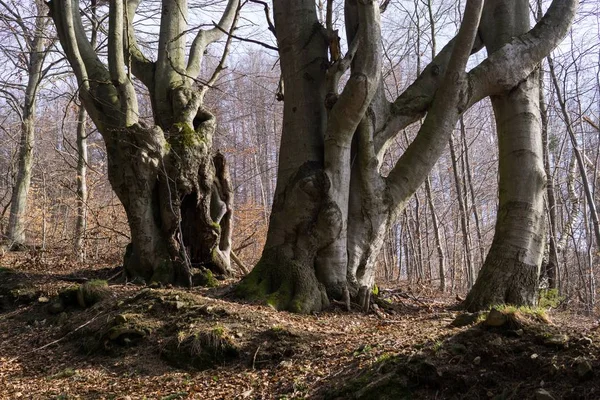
[92, 292]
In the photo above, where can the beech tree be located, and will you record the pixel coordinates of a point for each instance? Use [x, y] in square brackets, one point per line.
[511, 270]
[29, 57]
[176, 193]
[332, 206]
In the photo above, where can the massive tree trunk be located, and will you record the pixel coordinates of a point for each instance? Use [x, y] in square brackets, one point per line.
[332, 206]
[176, 193]
[511, 270]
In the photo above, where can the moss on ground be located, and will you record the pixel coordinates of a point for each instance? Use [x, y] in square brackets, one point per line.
[201, 348]
[92, 292]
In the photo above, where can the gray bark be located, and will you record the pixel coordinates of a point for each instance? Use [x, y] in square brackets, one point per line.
[35, 60]
[82, 192]
[332, 206]
[176, 194]
[510, 272]
[462, 212]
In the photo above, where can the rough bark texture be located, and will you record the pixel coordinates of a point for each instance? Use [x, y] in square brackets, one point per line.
[177, 195]
[332, 206]
[510, 272]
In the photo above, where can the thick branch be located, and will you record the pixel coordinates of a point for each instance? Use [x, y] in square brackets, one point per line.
[141, 67]
[448, 104]
[116, 59]
[502, 70]
[206, 37]
[354, 100]
[516, 60]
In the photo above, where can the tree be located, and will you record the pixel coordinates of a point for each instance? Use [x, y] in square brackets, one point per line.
[176, 194]
[332, 206]
[32, 42]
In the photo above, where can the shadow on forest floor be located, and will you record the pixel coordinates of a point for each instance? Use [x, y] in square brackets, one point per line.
[167, 343]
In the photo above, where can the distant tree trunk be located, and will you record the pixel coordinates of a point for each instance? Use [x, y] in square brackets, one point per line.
[470, 189]
[551, 266]
[82, 192]
[463, 216]
[510, 272]
[437, 236]
[35, 61]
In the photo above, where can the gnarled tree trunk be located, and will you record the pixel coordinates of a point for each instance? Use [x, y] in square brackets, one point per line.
[177, 195]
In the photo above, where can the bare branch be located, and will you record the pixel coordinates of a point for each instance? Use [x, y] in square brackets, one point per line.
[206, 37]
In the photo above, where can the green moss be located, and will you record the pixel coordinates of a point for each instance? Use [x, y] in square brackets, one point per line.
[185, 135]
[375, 290]
[253, 287]
[282, 298]
[65, 373]
[549, 298]
[163, 273]
[216, 226]
[92, 292]
[205, 278]
[201, 349]
[537, 312]
[69, 295]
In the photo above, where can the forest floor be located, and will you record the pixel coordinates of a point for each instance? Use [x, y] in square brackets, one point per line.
[138, 342]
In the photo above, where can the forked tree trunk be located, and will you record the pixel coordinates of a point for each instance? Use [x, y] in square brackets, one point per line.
[510, 272]
[332, 206]
[177, 196]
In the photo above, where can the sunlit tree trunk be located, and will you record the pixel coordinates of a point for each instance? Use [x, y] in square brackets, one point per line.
[176, 193]
[510, 272]
[35, 39]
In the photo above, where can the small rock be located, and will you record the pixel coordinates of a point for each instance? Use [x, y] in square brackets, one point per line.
[63, 317]
[495, 318]
[458, 348]
[519, 332]
[543, 394]
[560, 340]
[179, 305]
[56, 307]
[239, 334]
[477, 360]
[534, 356]
[553, 369]
[584, 369]
[497, 341]
[464, 320]
[43, 299]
